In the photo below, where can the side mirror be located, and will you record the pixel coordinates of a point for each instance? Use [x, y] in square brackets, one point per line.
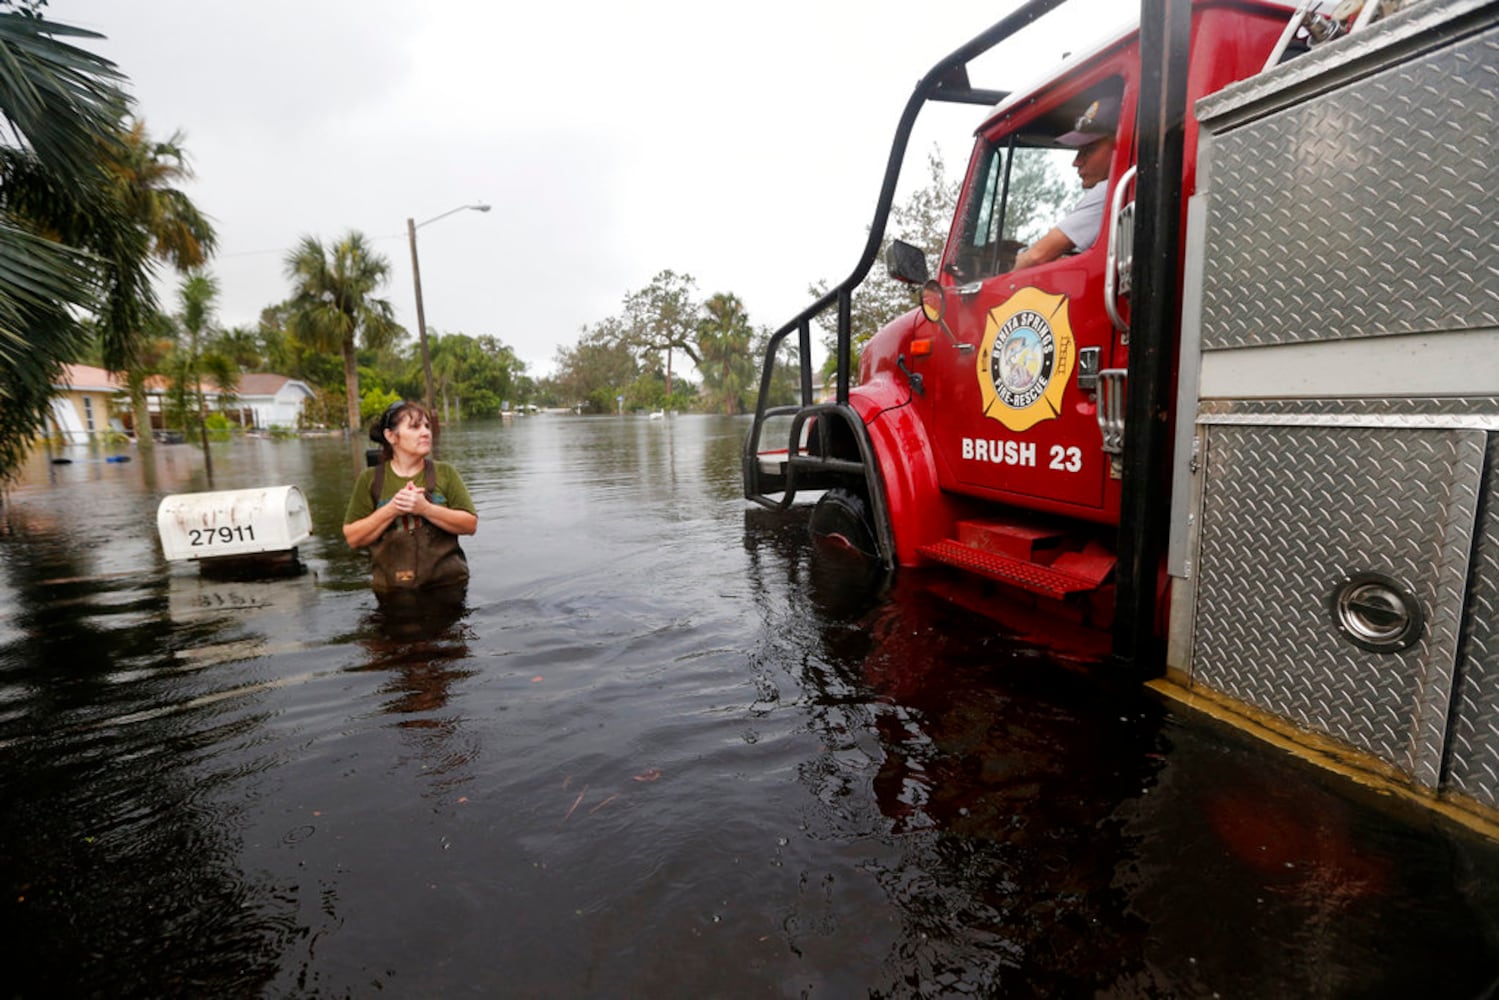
[906, 263]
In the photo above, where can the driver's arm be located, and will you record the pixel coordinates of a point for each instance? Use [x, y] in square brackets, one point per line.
[1049, 247]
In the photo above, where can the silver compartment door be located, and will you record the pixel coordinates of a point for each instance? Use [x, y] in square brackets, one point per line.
[1288, 513]
[1473, 751]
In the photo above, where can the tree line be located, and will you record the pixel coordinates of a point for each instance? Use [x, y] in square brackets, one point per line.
[635, 360]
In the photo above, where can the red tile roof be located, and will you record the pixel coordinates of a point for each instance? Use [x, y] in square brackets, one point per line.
[87, 378]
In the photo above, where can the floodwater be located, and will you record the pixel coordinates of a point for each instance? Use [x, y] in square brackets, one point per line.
[640, 761]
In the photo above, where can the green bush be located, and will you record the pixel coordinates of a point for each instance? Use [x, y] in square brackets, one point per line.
[374, 402]
[218, 427]
[324, 409]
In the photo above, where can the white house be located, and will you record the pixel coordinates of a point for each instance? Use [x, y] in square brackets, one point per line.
[90, 401]
[273, 400]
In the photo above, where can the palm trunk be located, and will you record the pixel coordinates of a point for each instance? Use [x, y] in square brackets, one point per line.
[351, 384]
[145, 440]
[203, 424]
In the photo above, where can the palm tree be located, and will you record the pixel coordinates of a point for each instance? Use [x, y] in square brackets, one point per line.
[128, 216]
[198, 295]
[62, 103]
[333, 303]
[446, 365]
[166, 226]
[242, 346]
[723, 338]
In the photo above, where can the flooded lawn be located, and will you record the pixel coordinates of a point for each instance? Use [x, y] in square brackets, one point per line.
[639, 762]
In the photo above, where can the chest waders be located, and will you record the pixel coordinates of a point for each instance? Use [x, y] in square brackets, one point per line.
[414, 553]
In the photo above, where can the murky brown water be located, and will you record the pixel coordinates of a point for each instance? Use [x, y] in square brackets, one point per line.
[639, 763]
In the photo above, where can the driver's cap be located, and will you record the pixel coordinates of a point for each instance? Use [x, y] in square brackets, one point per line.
[1098, 122]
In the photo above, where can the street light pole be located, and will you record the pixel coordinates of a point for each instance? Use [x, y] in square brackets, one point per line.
[421, 318]
[416, 281]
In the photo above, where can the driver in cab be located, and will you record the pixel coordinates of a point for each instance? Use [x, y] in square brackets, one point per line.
[1093, 138]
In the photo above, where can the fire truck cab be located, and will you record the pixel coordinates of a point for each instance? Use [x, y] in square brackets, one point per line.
[1013, 378]
[985, 430]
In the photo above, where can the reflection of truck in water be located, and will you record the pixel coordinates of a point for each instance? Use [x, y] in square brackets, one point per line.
[1250, 432]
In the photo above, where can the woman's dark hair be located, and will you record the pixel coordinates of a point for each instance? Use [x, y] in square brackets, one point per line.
[391, 417]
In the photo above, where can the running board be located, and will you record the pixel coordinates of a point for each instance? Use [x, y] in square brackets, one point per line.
[1026, 575]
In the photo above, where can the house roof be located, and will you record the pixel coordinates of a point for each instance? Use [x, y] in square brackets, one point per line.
[261, 384]
[87, 378]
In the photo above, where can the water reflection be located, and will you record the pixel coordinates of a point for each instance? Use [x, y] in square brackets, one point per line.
[652, 750]
[417, 636]
[64, 610]
[119, 859]
[998, 799]
[1057, 833]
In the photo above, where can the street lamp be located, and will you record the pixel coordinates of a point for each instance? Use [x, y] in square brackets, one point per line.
[416, 281]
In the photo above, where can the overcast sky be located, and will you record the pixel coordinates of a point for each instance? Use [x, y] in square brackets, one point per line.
[742, 144]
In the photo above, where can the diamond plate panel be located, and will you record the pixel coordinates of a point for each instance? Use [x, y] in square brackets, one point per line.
[1436, 410]
[1393, 227]
[1288, 512]
[1473, 765]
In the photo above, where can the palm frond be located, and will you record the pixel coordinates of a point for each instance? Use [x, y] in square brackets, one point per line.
[38, 279]
[59, 98]
[51, 336]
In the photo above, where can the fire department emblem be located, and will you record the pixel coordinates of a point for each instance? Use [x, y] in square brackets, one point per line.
[1026, 357]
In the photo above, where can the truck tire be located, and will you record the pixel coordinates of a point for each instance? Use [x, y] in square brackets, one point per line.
[841, 526]
[846, 572]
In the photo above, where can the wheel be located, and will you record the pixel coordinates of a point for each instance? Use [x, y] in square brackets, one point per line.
[841, 525]
[846, 569]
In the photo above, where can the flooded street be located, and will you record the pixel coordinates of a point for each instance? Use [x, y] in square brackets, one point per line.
[640, 762]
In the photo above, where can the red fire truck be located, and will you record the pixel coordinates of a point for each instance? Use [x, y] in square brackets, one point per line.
[985, 431]
[1247, 430]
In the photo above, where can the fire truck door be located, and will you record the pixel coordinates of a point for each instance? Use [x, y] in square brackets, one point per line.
[1027, 419]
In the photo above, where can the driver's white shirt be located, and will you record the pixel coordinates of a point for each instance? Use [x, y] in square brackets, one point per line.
[1081, 225]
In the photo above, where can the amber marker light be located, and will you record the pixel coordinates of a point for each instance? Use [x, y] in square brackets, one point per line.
[921, 347]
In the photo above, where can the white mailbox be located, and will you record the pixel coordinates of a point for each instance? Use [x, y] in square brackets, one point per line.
[240, 523]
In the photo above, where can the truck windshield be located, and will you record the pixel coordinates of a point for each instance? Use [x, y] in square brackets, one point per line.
[1017, 192]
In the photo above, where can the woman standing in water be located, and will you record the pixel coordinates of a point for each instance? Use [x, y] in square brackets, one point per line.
[409, 510]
